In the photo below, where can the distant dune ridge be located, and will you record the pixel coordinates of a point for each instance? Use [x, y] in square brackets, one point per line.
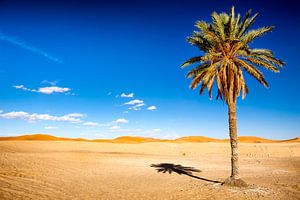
[133, 139]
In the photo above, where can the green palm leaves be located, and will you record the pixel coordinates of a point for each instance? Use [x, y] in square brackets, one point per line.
[225, 43]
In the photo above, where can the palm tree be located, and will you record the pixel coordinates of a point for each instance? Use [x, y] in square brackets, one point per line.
[227, 54]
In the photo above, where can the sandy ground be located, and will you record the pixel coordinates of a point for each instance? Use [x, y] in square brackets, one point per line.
[90, 170]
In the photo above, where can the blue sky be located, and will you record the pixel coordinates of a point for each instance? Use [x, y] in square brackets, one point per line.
[65, 65]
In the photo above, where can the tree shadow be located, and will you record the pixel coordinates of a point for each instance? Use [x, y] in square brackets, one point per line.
[179, 169]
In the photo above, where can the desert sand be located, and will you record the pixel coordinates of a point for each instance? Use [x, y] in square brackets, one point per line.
[116, 171]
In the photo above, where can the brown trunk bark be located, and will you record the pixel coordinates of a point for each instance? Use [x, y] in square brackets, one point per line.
[233, 140]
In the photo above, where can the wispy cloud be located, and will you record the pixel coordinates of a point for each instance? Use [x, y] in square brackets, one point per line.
[92, 124]
[22, 87]
[109, 124]
[129, 95]
[24, 45]
[151, 108]
[114, 127]
[135, 104]
[52, 83]
[50, 127]
[72, 117]
[95, 124]
[45, 90]
[121, 121]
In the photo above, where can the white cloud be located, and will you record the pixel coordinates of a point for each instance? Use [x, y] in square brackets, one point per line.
[114, 127]
[156, 130]
[53, 89]
[121, 120]
[137, 107]
[50, 127]
[72, 117]
[14, 115]
[95, 124]
[44, 90]
[130, 95]
[92, 124]
[22, 87]
[134, 102]
[19, 86]
[151, 108]
[75, 115]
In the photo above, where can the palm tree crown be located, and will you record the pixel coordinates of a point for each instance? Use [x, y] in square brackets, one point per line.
[225, 43]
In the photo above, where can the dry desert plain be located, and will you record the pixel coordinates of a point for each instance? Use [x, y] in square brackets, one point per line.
[130, 169]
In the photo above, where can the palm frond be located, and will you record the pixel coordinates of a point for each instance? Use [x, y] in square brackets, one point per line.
[251, 35]
[261, 52]
[246, 23]
[197, 70]
[218, 22]
[271, 59]
[191, 61]
[264, 64]
[227, 54]
[252, 71]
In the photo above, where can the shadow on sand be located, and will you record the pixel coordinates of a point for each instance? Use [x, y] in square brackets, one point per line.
[179, 169]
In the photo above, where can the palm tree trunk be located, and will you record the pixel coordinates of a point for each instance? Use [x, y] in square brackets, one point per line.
[233, 140]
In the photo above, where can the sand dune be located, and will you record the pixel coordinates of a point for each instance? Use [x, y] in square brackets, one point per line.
[251, 139]
[197, 139]
[39, 137]
[297, 139]
[131, 139]
[112, 171]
